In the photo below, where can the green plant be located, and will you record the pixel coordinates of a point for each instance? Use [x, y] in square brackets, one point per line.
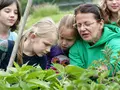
[68, 78]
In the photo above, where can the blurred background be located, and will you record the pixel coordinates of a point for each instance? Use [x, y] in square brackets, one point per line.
[55, 9]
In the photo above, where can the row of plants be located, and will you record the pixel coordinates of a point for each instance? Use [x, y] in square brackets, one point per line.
[68, 78]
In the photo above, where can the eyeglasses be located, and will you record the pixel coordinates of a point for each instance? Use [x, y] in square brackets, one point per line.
[85, 25]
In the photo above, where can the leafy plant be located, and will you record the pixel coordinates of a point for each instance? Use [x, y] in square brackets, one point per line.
[68, 78]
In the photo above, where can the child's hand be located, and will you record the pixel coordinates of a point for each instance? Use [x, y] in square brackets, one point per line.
[61, 59]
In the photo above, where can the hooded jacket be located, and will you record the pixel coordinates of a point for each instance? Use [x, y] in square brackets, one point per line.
[82, 54]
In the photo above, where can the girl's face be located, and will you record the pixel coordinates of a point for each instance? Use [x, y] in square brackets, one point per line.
[113, 5]
[42, 46]
[66, 38]
[88, 27]
[9, 15]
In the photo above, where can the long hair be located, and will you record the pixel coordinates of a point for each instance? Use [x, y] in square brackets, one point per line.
[45, 28]
[68, 22]
[107, 13]
[5, 3]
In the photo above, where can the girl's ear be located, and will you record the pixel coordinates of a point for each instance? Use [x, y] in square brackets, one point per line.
[32, 35]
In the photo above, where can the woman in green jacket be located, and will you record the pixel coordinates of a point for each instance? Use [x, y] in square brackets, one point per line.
[94, 36]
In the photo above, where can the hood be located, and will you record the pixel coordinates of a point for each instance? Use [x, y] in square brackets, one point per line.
[109, 32]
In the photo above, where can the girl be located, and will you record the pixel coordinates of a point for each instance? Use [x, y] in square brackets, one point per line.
[67, 36]
[111, 11]
[9, 18]
[35, 43]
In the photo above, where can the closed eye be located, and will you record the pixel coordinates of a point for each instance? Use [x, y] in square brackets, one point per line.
[7, 10]
[47, 44]
[16, 12]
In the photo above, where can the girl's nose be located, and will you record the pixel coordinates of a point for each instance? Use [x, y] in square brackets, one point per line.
[64, 42]
[114, 1]
[12, 15]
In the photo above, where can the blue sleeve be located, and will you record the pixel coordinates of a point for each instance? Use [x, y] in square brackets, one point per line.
[13, 36]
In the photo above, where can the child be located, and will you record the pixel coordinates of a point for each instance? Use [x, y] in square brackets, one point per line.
[67, 36]
[111, 11]
[34, 44]
[10, 16]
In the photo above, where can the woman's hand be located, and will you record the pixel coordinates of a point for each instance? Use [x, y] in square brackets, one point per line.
[102, 68]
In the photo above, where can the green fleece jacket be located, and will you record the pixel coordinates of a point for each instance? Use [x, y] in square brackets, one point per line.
[82, 54]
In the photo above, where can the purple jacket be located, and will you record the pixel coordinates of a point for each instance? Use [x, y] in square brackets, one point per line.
[55, 51]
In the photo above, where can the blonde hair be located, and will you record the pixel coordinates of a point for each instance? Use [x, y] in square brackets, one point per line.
[45, 28]
[68, 21]
[107, 13]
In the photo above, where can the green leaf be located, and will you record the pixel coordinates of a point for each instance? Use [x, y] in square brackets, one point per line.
[16, 66]
[11, 79]
[12, 70]
[74, 72]
[83, 86]
[52, 77]
[36, 74]
[69, 87]
[39, 83]
[59, 67]
[24, 86]
[114, 86]
[74, 69]
[102, 76]
[14, 88]
[4, 74]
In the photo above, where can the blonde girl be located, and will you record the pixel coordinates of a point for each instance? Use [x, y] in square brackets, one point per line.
[67, 36]
[111, 11]
[36, 42]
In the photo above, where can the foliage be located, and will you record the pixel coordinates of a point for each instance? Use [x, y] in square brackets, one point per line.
[68, 78]
[45, 10]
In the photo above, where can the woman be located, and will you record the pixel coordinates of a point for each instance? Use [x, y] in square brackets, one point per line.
[94, 38]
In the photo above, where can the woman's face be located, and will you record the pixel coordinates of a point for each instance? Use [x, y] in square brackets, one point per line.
[66, 38]
[9, 15]
[113, 5]
[88, 27]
